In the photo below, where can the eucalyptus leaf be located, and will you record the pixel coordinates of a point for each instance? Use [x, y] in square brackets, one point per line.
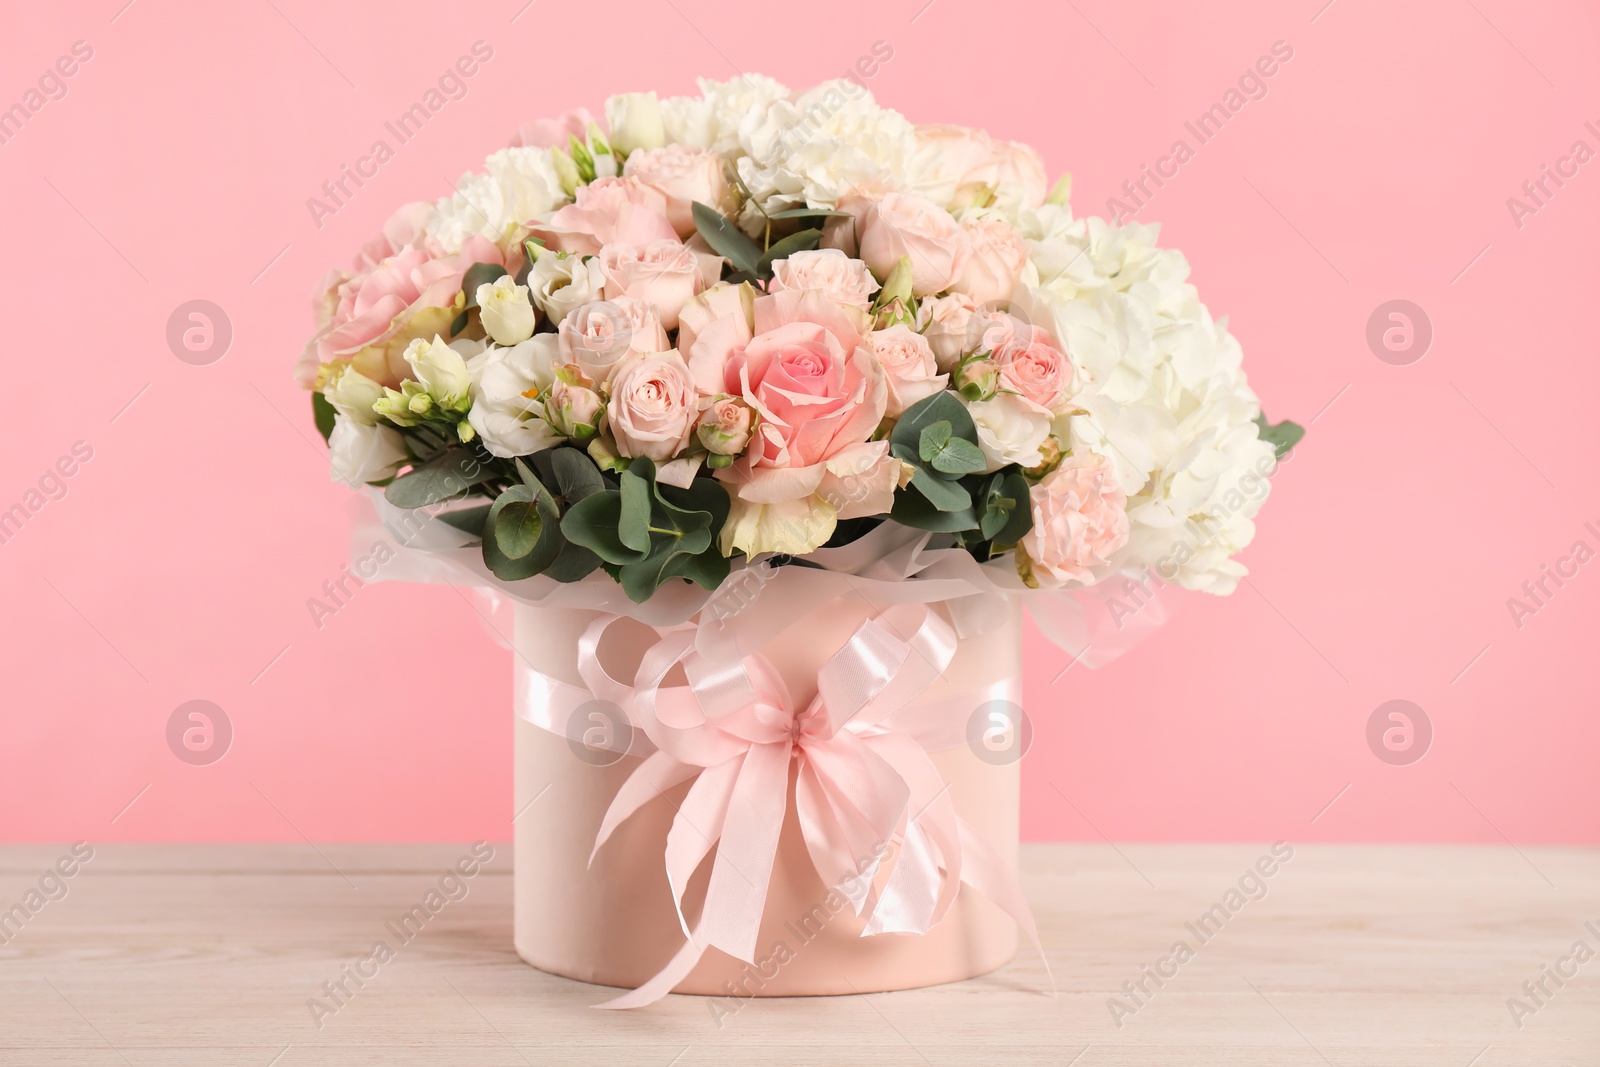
[727, 240]
[946, 496]
[1282, 436]
[633, 526]
[528, 507]
[913, 509]
[592, 523]
[467, 520]
[476, 275]
[446, 475]
[804, 241]
[808, 213]
[517, 523]
[958, 456]
[574, 473]
[324, 413]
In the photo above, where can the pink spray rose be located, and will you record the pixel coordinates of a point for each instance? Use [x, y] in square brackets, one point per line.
[653, 406]
[884, 230]
[683, 176]
[1032, 365]
[909, 369]
[619, 211]
[553, 133]
[596, 336]
[828, 270]
[664, 274]
[945, 322]
[369, 318]
[1080, 519]
[996, 263]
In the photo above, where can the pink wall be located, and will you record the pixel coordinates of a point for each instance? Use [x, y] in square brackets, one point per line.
[178, 565]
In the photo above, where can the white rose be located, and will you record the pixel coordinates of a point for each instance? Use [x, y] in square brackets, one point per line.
[363, 453]
[440, 369]
[635, 121]
[828, 270]
[352, 395]
[505, 383]
[507, 315]
[560, 282]
[1010, 430]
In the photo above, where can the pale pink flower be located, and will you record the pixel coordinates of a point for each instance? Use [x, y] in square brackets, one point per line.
[684, 176]
[653, 407]
[1080, 520]
[607, 211]
[909, 369]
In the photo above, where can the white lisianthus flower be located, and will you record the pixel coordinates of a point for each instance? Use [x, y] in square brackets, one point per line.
[352, 394]
[440, 370]
[506, 385]
[560, 282]
[635, 121]
[1010, 430]
[363, 452]
[507, 314]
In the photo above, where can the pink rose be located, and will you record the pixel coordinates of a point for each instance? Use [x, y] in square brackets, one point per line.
[1080, 519]
[665, 274]
[596, 336]
[830, 272]
[553, 133]
[653, 406]
[717, 343]
[995, 265]
[818, 401]
[607, 211]
[683, 176]
[724, 427]
[946, 324]
[958, 167]
[900, 225]
[369, 318]
[909, 369]
[571, 407]
[1031, 365]
[711, 326]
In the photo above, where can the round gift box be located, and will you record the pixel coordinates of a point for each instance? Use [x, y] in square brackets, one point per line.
[613, 922]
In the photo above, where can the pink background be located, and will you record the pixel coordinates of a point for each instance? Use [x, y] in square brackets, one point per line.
[179, 564]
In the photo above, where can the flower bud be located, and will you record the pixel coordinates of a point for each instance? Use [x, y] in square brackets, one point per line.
[897, 286]
[896, 313]
[635, 120]
[977, 378]
[1050, 449]
[571, 407]
[566, 171]
[725, 427]
[351, 393]
[441, 371]
[507, 315]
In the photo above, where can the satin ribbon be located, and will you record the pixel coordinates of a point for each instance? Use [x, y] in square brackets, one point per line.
[862, 782]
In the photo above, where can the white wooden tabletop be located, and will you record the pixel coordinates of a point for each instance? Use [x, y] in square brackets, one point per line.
[214, 955]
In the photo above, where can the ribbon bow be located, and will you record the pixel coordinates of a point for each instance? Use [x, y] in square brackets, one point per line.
[863, 780]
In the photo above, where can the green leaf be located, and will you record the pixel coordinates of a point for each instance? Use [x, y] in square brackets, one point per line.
[727, 240]
[468, 520]
[573, 563]
[324, 413]
[546, 545]
[517, 523]
[804, 241]
[1006, 512]
[633, 525]
[946, 496]
[448, 474]
[574, 473]
[476, 275]
[808, 213]
[459, 323]
[932, 439]
[943, 406]
[912, 509]
[959, 457]
[1282, 436]
[592, 523]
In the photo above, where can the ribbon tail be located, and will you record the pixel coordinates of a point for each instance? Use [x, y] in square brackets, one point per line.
[649, 780]
[736, 897]
[663, 981]
[988, 874]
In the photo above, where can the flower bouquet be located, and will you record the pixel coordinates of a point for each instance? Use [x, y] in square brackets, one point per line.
[767, 412]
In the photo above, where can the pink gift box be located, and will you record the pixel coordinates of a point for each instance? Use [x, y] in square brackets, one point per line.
[613, 922]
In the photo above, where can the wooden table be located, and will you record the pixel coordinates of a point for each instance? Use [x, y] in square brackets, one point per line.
[180, 955]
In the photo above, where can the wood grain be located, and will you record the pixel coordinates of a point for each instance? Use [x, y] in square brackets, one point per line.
[1399, 955]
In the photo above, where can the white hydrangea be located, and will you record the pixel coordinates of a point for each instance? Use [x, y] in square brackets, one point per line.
[714, 118]
[1161, 389]
[822, 144]
[520, 184]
